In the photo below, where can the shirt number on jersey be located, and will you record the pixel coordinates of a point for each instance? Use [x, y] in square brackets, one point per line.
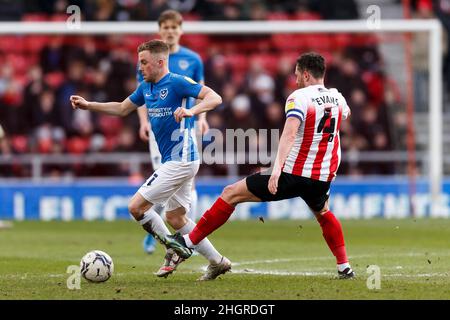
[326, 126]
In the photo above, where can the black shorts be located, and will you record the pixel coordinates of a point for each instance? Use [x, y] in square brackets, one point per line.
[314, 192]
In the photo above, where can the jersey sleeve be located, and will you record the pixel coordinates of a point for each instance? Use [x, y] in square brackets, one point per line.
[186, 87]
[296, 106]
[137, 97]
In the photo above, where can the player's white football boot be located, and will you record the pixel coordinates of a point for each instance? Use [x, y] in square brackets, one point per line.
[171, 261]
[215, 270]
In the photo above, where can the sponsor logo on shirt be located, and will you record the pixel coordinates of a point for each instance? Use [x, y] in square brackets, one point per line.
[159, 112]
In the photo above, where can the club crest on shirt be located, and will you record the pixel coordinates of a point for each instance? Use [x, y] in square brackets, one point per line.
[183, 64]
[163, 93]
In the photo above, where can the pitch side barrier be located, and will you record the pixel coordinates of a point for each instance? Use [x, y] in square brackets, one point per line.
[108, 200]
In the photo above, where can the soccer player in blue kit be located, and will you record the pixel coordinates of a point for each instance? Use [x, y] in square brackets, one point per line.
[165, 95]
[184, 62]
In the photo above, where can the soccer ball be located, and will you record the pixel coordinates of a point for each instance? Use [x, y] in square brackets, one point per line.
[96, 266]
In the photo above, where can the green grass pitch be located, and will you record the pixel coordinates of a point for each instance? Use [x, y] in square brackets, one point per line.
[271, 260]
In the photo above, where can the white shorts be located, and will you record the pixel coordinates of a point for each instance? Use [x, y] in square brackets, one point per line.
[171, 185]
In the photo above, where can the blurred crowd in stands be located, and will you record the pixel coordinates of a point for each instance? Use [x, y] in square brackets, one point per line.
[254, 75]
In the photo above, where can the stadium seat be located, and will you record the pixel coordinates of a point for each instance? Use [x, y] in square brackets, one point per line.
[188, 16]
[305, 15]
[195, 41]
[54, 79]
[35, 43]
[34, 17]
[18, 62]
[19, 143]
[277, 16]
[59, 17]
[341, 41]
[45, 145]
[11, 44]
[320, 41]
[109, 125]
[77, 145]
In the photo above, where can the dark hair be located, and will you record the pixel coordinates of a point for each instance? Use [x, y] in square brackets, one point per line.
[154, 46]
[312, 62]
[170, 15]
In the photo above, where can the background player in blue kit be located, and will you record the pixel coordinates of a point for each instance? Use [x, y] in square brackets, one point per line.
[184, 62]
[165, 95]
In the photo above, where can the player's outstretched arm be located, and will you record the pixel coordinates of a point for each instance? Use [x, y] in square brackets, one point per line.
[284, 147]
[112, 108]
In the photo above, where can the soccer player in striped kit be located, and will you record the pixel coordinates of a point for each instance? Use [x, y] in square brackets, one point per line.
[307, 160]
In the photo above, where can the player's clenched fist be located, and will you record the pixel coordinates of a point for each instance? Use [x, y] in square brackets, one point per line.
[181, 113]
[78, 102]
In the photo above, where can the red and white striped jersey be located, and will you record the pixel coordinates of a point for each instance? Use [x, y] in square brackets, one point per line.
[316, 152]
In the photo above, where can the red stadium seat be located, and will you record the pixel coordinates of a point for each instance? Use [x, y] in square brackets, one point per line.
[277, 16]
[60, 17]
[341, 40]
[35, 43]
[320, 41]
[45, 145]
[191, 17]
[304, 15]
[110, 143]
[19, 63]
[19, 143]
[78, 145]
[196, 41]
[31, 17]
[54, 79]
[11, 44]
[110, 125]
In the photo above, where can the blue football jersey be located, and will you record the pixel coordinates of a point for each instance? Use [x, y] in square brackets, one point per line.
[176, 141]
